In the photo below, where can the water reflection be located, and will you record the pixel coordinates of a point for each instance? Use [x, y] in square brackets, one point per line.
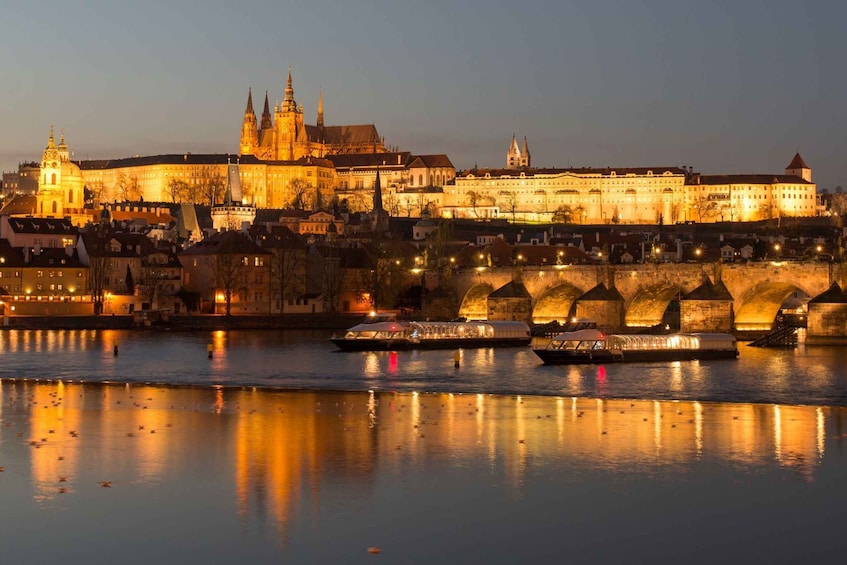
[305, 360]
[275, 441]
[310, 463]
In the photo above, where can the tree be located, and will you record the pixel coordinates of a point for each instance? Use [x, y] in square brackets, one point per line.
[214, 189]
[155, 277]
[95, 193]
[228, 268]
[392, 204]
[473, 199]
[331, 275]
[563, 214]
[287, 264]
[385, 274]
[511, 199]
[129, 281]
[98, 267]
[177, 190]
[300, 193]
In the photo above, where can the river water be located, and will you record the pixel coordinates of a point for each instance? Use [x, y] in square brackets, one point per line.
[281, 449]
[306, 360]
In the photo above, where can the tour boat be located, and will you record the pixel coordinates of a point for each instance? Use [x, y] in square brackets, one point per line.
[381, 333]
[595, 346]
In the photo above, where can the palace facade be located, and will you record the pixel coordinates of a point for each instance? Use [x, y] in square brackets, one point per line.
[632, 195]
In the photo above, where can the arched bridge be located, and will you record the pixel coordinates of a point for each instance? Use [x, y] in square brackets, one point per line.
[758, 290]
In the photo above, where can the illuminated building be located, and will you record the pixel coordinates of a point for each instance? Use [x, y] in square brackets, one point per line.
[60, 192]
[630, 195]
[285, 136]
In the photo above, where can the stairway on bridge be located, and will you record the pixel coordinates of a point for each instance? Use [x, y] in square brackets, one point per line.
[780, 336]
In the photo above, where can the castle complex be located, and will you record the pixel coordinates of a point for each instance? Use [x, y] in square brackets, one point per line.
[283, 162]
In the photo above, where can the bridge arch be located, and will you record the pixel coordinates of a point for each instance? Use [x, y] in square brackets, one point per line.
[475, 302]
[761, 304]
[555, 303]
[647, 308]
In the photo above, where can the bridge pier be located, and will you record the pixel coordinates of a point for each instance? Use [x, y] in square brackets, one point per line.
[604, 305]
[707, 308]
[827, 320]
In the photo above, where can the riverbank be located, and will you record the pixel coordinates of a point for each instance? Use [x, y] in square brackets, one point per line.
[184, 322]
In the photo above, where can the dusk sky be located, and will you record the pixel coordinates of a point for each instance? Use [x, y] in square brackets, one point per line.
[723, 86]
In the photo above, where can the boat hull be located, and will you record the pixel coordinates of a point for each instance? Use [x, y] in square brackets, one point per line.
[571, 357]
[405, 344]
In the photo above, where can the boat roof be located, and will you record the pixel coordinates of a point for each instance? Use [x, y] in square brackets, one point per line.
[589, 334]
[597, 335]
[397, 325]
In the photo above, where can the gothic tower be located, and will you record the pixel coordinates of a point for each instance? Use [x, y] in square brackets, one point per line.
[379, 216]
[798, 168]
[513, 157]
[249, 134]
[320, 122]
[525, 159]
[289, 128]
[267, 123]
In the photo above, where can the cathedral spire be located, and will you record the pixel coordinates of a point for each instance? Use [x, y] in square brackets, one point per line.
[249, 135]
[377, 192]
[266, 114]
[288, 104]
[320, 109]
[249, 109]
[51, 142]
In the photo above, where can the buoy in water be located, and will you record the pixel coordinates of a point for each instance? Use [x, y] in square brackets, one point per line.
[209, 349]
[456, 359]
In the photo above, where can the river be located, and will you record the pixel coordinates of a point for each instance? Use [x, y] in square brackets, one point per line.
[278, 448]
[306, 360]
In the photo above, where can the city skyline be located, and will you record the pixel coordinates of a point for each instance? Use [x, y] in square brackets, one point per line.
[725, 88]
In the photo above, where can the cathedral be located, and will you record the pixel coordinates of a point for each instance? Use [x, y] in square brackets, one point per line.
[285, 137]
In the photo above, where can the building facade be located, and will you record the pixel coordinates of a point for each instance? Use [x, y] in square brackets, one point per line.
[642, 195]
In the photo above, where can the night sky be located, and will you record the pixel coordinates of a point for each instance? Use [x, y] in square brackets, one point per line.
[723, 86]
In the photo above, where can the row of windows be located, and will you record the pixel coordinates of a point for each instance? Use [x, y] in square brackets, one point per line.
[38, 274]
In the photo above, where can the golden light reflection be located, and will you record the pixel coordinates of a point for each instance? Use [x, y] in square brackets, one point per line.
[278, 447]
